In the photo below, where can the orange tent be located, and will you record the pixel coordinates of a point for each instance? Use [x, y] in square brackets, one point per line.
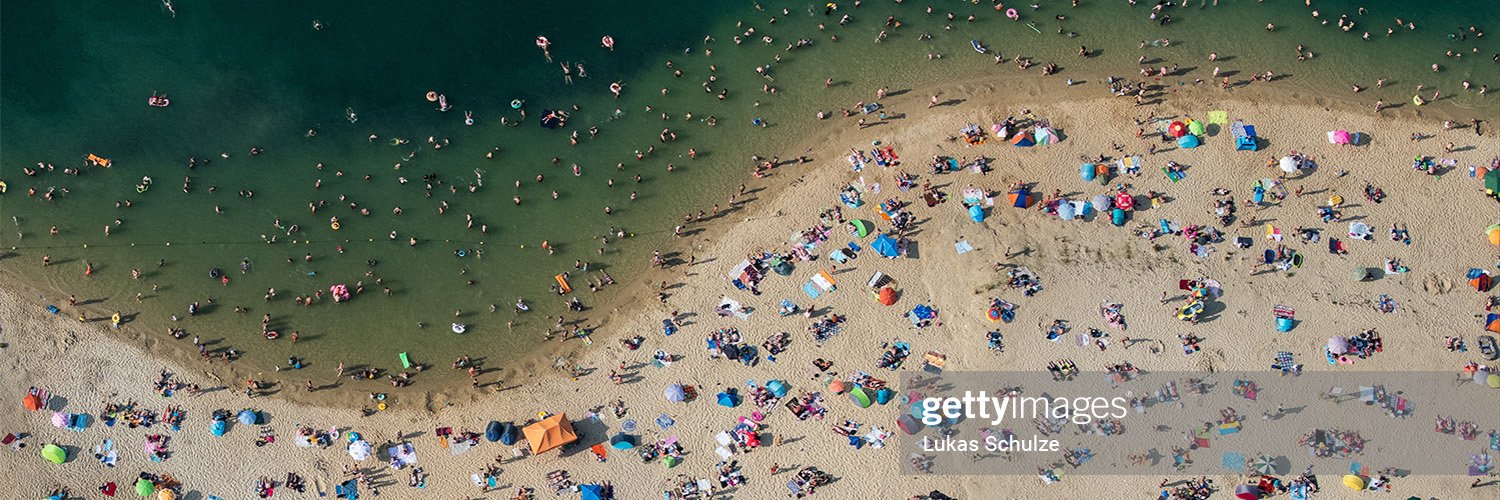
[552, 432]
[32, 402]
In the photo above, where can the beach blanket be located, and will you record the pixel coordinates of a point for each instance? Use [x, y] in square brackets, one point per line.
[1218, 117]
[963, 247]
[1233, 461]
[402, 455]
[460, 447]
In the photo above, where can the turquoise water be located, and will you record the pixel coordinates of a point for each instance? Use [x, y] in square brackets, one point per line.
[76, 76]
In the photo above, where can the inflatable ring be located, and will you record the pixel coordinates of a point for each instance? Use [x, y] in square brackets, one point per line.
[460, 328]
[215, 273]
[1012, 14]
[3, 187]
[334, 226]
[515, 104]
[432, 96]
[273, 335]
[460, 253]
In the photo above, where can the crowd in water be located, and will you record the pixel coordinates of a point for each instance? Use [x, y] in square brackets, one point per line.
[341, 207]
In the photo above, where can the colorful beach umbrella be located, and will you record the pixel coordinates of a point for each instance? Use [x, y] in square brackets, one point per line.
[144, 488]
[675, 393]
[1177, 129]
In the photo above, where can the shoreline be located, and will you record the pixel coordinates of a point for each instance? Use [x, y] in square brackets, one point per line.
[566, 347]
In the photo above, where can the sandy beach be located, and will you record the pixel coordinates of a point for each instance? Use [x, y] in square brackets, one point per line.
[1079, 263]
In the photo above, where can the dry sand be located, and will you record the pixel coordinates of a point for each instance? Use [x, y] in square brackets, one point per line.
[1081, 264]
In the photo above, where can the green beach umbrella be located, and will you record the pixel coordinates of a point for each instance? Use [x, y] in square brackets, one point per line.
[1263, 464]
[54, 454]
[144, 488]
[1195, 127]
[861, 228]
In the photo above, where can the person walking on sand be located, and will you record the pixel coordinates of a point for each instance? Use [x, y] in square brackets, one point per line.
[932, 103]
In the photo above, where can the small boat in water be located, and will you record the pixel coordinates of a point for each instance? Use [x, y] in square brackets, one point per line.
[977, 47]
[158, 101]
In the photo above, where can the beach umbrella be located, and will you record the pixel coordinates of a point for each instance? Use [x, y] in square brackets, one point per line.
[884, 396]
[1492, 183]
[884, 245]
[1361, 273]
[1188, 141]
[976, 213]
[728, 400]
[675, 393]
[1087, 171]
[1021, 140]
[1263, 464]
[886, 296]
[837, 387]
[61, 419]
[1354, 482]
[1065, 210]
[1195, 127]
[248, 417]
[1102, 203]
[1338, 345]
[591, 492]
[1493, 381]
[218, 427]
[1177, 129]
[144, 488]
[54, 453]
[31, 402]
[360, 450]
[1117, 217]
[165, 495]
[861, 228]
[1493, 232]
[1288, 164]
[1481, 376]
[1124, 201]
[1247, 492]
[1341, 137]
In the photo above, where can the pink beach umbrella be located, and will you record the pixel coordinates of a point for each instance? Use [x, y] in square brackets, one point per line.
[61, 419]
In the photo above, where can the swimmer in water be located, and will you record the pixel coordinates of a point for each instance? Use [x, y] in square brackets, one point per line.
[468, 118]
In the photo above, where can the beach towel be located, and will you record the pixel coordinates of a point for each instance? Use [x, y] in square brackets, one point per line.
[664, 421]
[811, 290]
[460, 447]
[1218, 117]
[963, 247]
[1233, 461]
[824, 281]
